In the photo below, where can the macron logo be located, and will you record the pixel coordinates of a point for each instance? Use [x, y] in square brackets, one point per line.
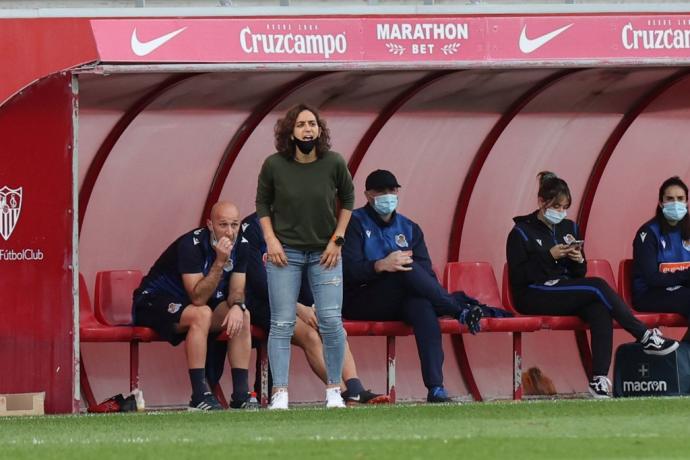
[528, 45]
[143, 48]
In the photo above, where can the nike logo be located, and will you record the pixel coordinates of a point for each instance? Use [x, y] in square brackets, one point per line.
[143, 48]
[528, 45]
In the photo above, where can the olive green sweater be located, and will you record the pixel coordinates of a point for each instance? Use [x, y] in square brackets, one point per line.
[300, 198]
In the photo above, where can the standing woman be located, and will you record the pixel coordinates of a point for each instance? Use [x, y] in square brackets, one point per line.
[547, 270]
[661, 255]
[296, 205]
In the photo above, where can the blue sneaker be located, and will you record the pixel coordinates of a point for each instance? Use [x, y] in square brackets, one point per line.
[438, 395]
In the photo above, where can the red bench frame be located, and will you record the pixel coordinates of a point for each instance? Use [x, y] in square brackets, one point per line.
[92, 331]
[112, 318]
[477, 279]
[600, 268]
[111, 322]
[625, 271]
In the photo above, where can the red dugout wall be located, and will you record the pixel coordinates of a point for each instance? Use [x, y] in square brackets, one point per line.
[465, 127]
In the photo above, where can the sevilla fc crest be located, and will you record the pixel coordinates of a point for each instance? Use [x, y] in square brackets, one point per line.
[10, 207]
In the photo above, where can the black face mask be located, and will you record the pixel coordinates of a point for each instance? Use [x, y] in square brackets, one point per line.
[305, 146]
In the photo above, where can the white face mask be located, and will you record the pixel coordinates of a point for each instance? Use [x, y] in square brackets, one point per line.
[385, 204]
[554, 217]
[674, 211]
[229, 265]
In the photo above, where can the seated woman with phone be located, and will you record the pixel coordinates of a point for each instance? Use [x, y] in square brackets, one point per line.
[661, 255]
[547, 268]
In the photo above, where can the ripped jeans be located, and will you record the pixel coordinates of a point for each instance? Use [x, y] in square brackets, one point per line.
[283, 290]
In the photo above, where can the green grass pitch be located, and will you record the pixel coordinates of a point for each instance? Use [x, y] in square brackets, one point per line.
[619, 429]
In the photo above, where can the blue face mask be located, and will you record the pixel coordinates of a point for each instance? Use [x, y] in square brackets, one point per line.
[554, 217]
[385, 204]
[674, 211]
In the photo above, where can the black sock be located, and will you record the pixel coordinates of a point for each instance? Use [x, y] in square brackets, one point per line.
[354, 386]
[240, 384]
[199, 384]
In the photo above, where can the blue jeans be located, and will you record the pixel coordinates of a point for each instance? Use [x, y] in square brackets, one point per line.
[283, 291]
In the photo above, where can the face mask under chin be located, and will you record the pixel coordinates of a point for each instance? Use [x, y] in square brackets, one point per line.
[305, 146]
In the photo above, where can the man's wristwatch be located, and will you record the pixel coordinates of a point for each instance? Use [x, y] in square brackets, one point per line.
[338, 240]
[242, 306]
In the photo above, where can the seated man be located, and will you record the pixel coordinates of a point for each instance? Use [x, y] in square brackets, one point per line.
[388, 277]
[252, 254]
[185, 297]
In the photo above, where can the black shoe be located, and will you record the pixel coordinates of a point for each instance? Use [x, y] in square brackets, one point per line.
[654, 344]
[600, 387]
[206, 402]
[249, 403]
[471, 316]
[129, 404]
[365, 397]
[438, 395]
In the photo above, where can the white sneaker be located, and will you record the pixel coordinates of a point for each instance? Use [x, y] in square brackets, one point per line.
[334, 399]
[279, 400]
[600, 387]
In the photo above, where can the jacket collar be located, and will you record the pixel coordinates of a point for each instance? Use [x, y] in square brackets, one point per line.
[532, 219]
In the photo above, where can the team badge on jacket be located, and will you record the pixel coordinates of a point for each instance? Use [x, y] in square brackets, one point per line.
[174, 308]
[401, 241]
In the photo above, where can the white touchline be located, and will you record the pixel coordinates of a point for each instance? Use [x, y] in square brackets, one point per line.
[143, 48]
[527, 45]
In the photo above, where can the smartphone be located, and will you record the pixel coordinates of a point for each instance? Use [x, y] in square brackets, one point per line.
[576, 244]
